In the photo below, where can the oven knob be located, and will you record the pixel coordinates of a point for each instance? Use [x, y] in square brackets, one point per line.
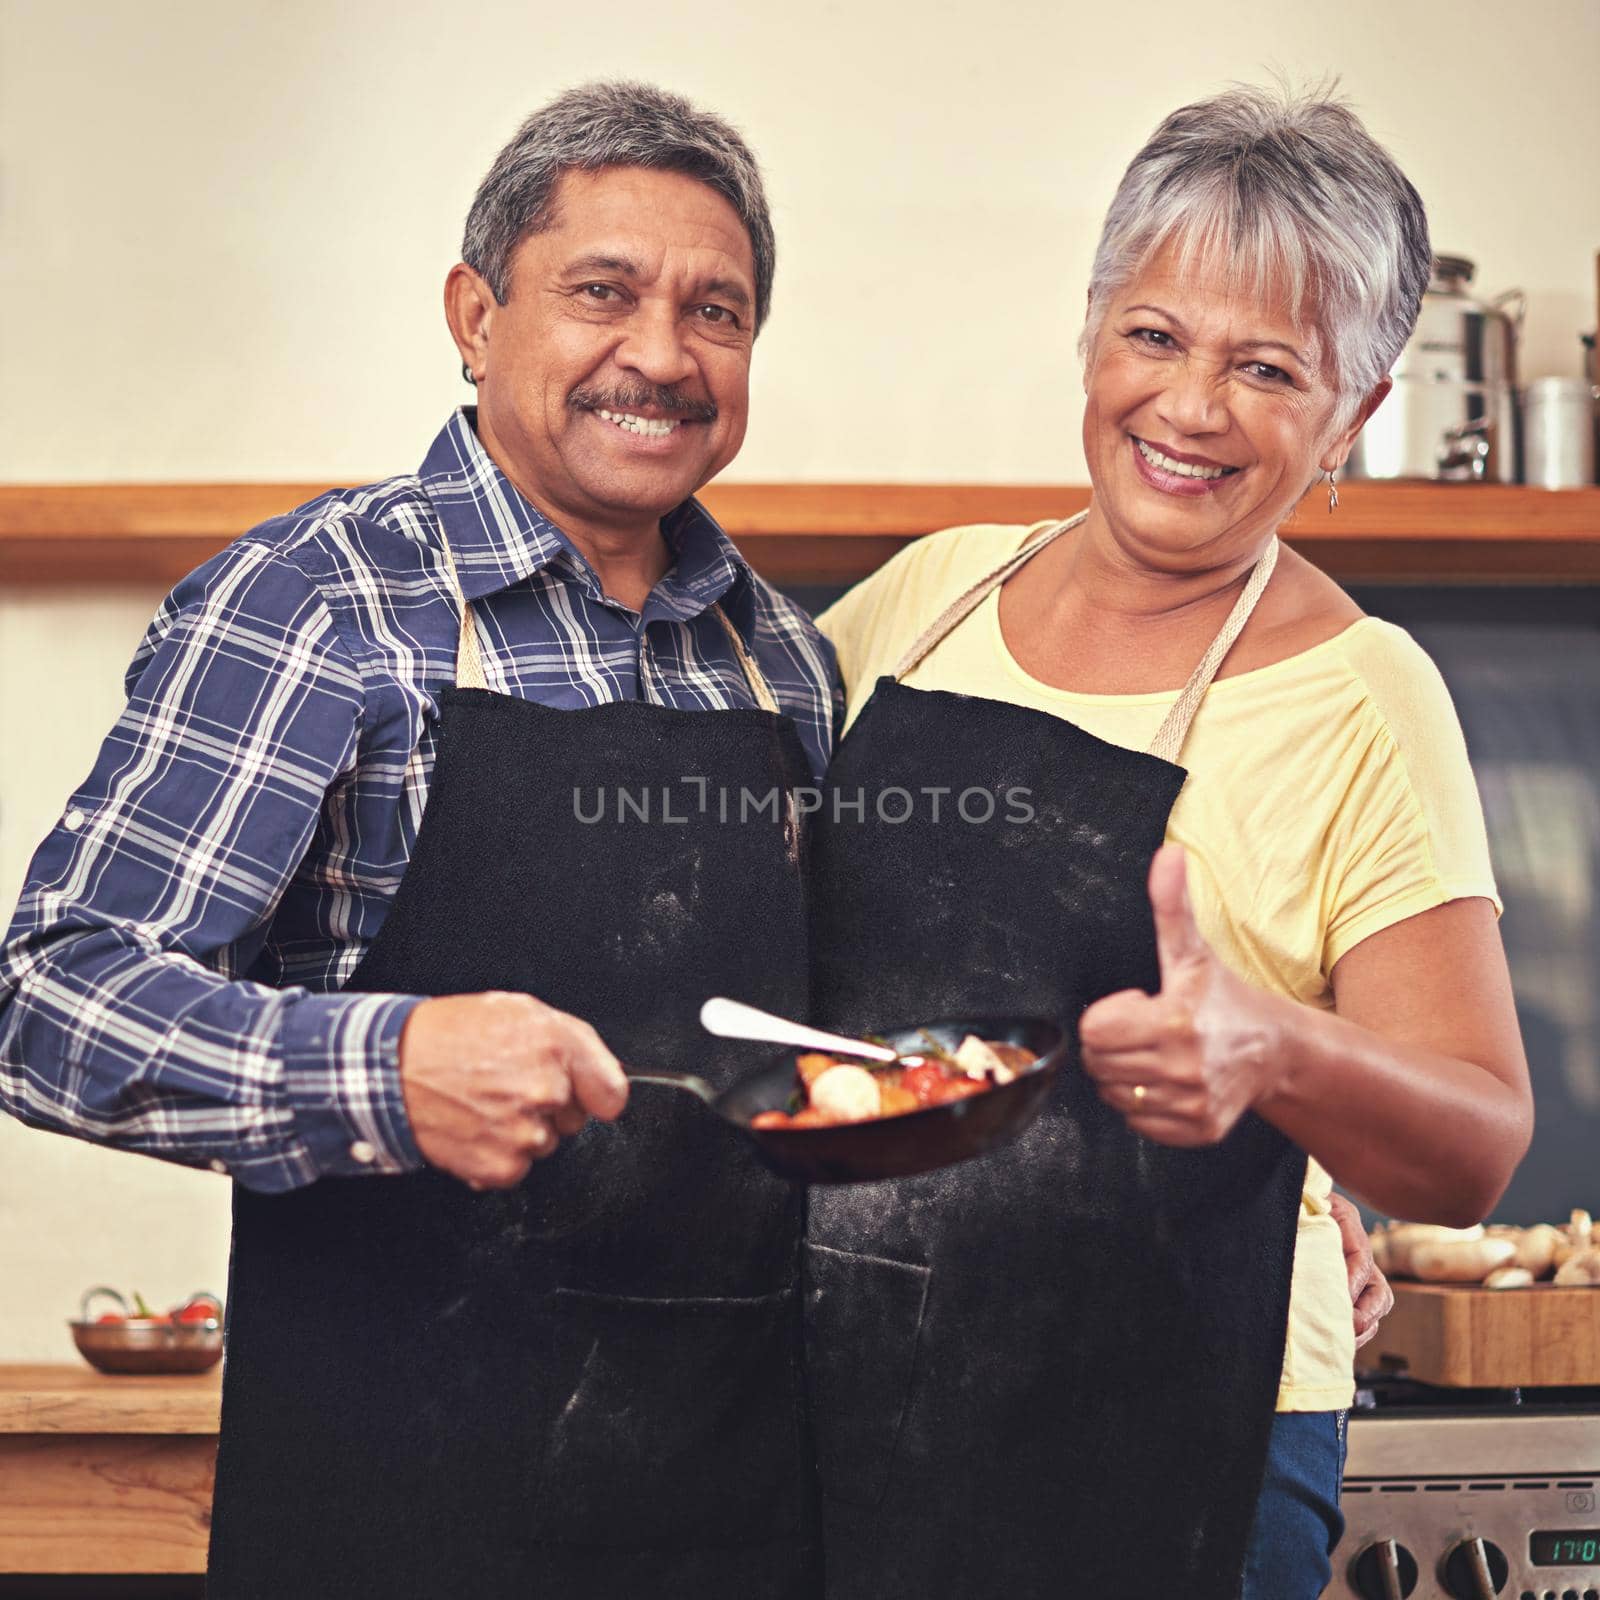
[1384, 1571]
[1475, 1570]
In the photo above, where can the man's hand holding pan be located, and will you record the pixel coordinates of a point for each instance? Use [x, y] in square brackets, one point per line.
[493, 1082]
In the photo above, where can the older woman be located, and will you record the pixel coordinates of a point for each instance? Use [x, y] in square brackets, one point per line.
[1113, 1358]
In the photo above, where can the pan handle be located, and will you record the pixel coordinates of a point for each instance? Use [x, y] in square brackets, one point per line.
[676, 1080]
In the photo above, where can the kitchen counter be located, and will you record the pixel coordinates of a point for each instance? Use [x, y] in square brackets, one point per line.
[105, 1474]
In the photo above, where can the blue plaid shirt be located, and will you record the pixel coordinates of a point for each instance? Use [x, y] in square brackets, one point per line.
[170, 983]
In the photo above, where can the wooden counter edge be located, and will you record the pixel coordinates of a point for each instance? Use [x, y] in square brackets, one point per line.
[838, 532]
[65, 1399]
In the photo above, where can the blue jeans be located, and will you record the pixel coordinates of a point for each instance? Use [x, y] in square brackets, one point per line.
[1298, 1521]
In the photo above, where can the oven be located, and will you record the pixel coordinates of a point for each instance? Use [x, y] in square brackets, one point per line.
[1470, 1494]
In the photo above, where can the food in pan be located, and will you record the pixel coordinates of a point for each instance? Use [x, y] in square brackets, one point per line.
[830, 1091]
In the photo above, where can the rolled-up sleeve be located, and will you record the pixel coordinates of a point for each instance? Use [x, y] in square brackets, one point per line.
[123, 1018]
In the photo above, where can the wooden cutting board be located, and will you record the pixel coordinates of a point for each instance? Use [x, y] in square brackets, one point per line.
[1472, 1338]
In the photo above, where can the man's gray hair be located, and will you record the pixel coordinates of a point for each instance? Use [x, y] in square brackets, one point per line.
[612, 124]
[1279, 187]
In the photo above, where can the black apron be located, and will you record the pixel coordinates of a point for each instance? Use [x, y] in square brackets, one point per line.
[1051, 1371]
[586, 1386]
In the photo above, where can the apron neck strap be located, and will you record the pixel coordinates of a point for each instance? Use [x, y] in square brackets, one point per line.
[753, 675]
[1175, 728]
[469, 657]
[965, 604]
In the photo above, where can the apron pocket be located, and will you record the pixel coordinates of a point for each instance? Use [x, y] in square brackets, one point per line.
[862, 1318]
[672, 1421]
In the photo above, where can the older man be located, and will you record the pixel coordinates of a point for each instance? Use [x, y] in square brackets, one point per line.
[344, 783]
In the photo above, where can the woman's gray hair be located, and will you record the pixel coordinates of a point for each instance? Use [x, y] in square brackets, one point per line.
[1279, 188]
[612, 124]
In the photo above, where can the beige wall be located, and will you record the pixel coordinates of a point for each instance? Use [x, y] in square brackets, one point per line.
[223, 229]
[71, 1214]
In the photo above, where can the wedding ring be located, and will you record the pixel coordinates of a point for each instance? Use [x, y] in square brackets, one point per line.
[1139, 1092]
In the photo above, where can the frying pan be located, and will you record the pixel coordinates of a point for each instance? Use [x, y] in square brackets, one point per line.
[888, 1147]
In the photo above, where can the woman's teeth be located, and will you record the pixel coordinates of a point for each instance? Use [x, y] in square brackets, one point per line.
[651, 427]
[1181, 468]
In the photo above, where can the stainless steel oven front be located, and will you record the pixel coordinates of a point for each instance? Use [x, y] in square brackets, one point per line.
[1471, 1504]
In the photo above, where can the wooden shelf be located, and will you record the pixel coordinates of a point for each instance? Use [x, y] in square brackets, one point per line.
[836, 533]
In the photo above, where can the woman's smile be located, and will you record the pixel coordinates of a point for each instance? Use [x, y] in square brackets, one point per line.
[1172, 472]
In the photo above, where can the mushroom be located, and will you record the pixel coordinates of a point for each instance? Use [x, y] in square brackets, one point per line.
[1460, 1260]
[1576, 1237]
[1382, 1253]
[979, 1060]
[1509, 1278]
[1400, 1239]
[1580, 1271]
[1536, 1250]
[846, 1094]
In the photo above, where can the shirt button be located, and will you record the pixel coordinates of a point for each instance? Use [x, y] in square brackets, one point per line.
[217, 1164]
[73, 819]
[363, 1152]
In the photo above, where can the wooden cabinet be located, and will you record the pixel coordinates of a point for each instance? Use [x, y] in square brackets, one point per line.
[105, 1475]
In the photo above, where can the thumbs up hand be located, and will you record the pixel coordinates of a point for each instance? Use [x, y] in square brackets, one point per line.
[1185, 1064]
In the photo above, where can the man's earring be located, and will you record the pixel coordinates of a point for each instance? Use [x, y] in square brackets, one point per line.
[1333, 493]
[466, 375]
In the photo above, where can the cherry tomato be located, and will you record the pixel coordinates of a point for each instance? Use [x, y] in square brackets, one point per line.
[112, 1317]
[201, 1308]
[958, 1089]
[924, 1082]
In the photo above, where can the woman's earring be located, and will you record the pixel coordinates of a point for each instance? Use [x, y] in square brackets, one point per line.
[466, 375]
[1333, 493]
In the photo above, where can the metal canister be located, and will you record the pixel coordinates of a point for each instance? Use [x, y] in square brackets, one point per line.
[1558, 420]
[1452, 413]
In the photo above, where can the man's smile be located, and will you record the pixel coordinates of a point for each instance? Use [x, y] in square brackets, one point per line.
[642, 435]
[630, 422]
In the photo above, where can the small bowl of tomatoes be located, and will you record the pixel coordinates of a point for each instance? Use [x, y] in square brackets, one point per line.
[115, 1337]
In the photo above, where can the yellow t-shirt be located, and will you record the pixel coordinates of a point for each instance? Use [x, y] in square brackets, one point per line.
[1328, 797]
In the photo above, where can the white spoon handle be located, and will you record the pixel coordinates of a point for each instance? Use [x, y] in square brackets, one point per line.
[731, 1019]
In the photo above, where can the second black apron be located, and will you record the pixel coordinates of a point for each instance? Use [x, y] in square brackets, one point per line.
[1051, 1371]
[585, 1387]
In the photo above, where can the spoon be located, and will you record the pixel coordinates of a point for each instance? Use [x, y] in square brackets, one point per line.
[732, 1019]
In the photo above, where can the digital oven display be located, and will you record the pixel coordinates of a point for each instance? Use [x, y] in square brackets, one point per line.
[1565, 1547]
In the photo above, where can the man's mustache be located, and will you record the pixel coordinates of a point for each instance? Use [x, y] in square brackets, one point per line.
[637, 397]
